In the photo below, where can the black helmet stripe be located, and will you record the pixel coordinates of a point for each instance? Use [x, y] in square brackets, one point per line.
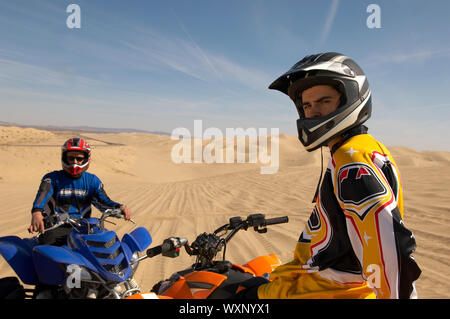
[76, 141]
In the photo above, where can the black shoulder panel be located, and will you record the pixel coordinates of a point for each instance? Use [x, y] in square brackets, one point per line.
[358, 183]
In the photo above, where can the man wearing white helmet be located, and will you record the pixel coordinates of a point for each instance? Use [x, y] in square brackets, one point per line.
[70, 191]
[355, 243]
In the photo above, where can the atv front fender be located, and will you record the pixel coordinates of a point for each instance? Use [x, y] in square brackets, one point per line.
[17, 252]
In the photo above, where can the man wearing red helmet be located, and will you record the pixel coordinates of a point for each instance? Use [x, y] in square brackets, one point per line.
[69, 191]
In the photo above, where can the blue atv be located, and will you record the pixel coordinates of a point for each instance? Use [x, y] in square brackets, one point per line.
[93, 264]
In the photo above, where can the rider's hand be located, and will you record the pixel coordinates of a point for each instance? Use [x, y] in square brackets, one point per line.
[126, 212]
[37, 223]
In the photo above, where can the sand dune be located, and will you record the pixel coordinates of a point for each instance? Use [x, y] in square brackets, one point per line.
[186, 199]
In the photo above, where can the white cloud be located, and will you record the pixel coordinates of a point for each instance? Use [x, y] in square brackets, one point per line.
[13, 71]
[187, 57]
[329, 21]
[418, 55]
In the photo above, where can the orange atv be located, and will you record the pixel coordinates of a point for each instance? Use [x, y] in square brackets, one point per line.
[208, 278]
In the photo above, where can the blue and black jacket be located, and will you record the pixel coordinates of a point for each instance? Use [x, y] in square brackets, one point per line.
[59, 193]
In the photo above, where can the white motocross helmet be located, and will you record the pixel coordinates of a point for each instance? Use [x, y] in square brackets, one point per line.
[343, 74]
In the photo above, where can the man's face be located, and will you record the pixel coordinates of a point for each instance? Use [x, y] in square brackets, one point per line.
[75, 157]
[320, 100]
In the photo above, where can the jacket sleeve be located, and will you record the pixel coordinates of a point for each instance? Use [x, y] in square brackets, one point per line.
[44, 193]
[101, 200]
[380, 240]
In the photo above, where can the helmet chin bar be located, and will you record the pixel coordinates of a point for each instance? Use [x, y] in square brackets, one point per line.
[75, 169]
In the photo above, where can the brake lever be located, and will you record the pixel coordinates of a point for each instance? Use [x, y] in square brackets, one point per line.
[188, 249]
[260, 230]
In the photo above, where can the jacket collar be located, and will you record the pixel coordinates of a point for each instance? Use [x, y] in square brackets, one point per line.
[357, 130]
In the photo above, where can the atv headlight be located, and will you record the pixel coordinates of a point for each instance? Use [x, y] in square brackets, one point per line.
[133, 262]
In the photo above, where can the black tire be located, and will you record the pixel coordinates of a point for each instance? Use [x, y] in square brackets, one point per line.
[10, 288]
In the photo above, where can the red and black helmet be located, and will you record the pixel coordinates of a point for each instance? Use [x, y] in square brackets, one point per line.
[75, 144]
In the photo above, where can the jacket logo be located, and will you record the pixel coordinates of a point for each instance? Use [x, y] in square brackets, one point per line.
[358, 183]
[70, 192]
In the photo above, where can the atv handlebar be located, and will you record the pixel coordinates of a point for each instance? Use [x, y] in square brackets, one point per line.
[257, 221]
[64, 219]
[206, 246]
[115, 213]
[276, 220]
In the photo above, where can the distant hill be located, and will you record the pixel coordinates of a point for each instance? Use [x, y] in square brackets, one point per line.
[86, 129]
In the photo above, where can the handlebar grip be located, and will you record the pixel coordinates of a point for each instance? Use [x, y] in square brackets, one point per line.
[114, 212]
[169, 248]
[276, 220]
[152, 252]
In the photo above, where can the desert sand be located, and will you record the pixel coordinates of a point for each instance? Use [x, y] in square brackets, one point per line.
[187, 199]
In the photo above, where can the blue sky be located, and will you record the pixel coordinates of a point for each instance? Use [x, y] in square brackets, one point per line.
[159, 65]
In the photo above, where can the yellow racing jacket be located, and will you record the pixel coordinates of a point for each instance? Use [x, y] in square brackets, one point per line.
[355, 244]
